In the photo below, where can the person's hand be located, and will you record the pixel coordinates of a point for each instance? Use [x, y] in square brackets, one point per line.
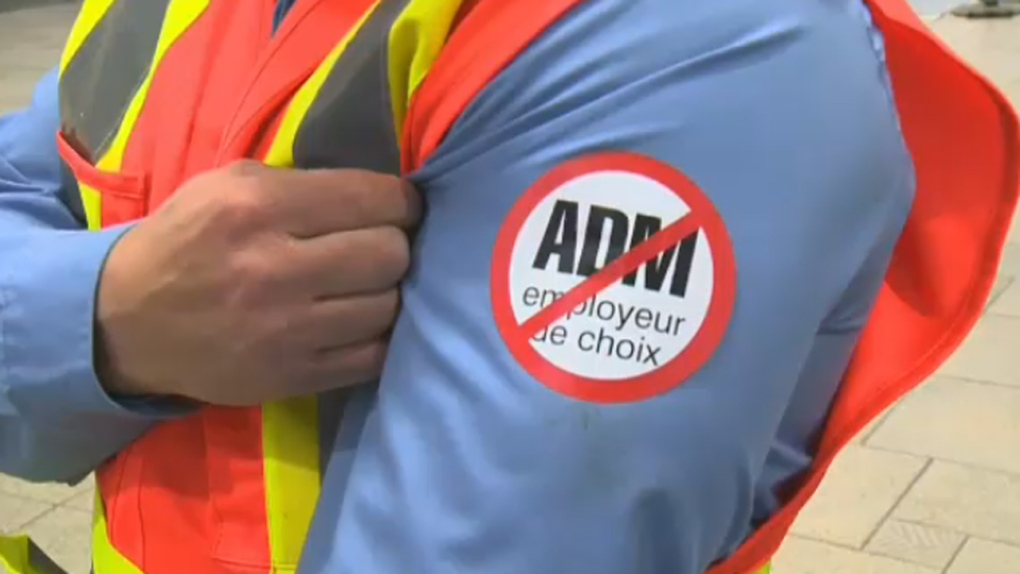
[253, 284]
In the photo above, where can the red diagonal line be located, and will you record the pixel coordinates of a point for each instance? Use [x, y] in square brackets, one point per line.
[611, 273]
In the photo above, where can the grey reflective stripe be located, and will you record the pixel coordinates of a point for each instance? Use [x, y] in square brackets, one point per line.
[350, 124]
[98, 84]
[41, 563]
[70, 194]
[331, 407]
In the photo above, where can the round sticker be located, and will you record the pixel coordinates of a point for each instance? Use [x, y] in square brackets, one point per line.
[613, 279]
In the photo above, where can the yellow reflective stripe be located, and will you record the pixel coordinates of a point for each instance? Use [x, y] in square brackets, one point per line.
[290, 428]
[92, 202]
[290, 435]
[281, 152]
[416, 40]
[89, 16]
[14, 555]
[19, 555]
[766, 570]
[105, 558]
[180, 15]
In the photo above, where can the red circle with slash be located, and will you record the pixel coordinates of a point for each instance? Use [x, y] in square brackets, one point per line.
[613, 279]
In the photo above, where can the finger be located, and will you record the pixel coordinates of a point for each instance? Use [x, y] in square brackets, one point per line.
[351, 262]
[340, 322]
[310, 203]
[345, 366]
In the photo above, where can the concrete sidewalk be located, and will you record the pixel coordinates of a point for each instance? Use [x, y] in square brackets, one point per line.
[933, 487]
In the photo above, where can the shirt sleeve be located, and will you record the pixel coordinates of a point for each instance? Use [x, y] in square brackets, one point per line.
[56, 422]
[610, 441]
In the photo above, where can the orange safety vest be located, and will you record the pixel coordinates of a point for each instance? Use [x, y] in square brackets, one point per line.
[155, 91]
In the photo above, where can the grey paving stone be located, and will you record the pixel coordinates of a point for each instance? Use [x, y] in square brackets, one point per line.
[975, 501]
[48, 493]
[956, 420]
[63, 534]
[857, 494]
[799, 556]
[15, 512]
[990, 352]
[916, 543]
[986, 557]
[1008, 303]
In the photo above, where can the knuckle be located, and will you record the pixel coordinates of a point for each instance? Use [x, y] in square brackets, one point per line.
[380, 312]
[364, 363]
[386, 320]
[250, 273]
[391, 306]
[389, 302]
[410, 203]
[394, 249]
[373, 359]
[244, 168]
[375, 198]
[358, 200]
[240, 205]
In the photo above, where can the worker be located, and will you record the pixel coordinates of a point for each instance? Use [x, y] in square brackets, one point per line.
[481, 286]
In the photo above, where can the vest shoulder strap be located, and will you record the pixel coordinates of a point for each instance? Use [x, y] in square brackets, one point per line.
[501, 30]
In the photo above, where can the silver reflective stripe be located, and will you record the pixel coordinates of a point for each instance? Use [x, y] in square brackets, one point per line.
[98, 84]
[41, 563]
[350, 124]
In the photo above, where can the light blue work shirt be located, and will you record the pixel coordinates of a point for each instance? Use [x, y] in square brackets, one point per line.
[459, 461]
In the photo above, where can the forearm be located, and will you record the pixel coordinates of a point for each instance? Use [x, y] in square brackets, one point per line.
[56, 421]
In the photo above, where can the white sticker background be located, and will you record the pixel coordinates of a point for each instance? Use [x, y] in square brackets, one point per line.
[625, 331]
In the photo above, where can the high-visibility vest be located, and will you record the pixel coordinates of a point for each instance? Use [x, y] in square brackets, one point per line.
[153, 92]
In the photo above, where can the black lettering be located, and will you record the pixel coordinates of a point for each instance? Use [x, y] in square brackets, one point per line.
[655, 268]
[531, 296]
[549, 297]
[677, 324]
[653, 355]
[682, 267]
[668, 324]
[610, 343]
[607, 306]
[597, 219]
[560, 238]
[680, 256]
[637, 351]
[558, 335]
[580, 341]
[645, 226]
[643, 318]
[631, 347]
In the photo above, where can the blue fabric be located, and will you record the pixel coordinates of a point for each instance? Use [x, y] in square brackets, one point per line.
[56, 422]
[49, 270]
[282, 7]
[461, 462]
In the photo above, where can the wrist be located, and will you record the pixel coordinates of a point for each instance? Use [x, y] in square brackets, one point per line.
[111, 376]
[111, 319]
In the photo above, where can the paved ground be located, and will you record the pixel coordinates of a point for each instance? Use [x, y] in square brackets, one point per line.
[933, 487]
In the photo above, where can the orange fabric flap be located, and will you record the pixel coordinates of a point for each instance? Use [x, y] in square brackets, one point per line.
[963, 136]
[501, 30]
